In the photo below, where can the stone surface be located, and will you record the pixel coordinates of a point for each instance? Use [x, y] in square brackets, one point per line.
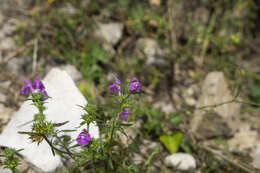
[180, 161]
[7, 44]
[73, 72]
[256, 156]
[212, 125]
[16, 65]
[5, 84]
[137, 159]
[111, 32]
[61, 107]
[5, 113]
[243, 140]
[69, 9]
[214, 91]
[2, 170]
[155, 2]
[2, 98]
[151, 50]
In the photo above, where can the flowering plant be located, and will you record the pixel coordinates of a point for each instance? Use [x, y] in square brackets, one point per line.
[94, 155]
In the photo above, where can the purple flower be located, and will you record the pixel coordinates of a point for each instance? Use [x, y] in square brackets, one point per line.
[134, 85]
[83, 138]
[36, 86]
[124, 113]
[118, 82]
[45, 95]
[115, 87]
[27, 87]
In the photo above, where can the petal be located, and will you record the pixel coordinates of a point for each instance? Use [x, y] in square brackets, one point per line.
[133, 80]
[117, 81]
[37, 84]
[26, 89]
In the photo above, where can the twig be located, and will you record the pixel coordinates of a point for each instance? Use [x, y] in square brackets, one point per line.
[35, 50]
[231, 160]
[217, 104]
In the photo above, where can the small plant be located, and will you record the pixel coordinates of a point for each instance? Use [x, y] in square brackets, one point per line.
[11, 161]
[105, 154]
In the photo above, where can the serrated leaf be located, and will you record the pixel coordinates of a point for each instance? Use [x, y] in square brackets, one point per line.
[172, 142]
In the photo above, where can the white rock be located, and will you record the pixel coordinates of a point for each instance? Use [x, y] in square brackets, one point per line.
[69, 9]
[2, 170]
[73, 72]
[111, 32]
[151, 50]
[214, 91]
[138, 159]
[8, 28]
[61, 107]
[243, 140]
[7, 44]
[181, 161]
[155, 2]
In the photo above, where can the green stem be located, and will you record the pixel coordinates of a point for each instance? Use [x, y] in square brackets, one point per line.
[53, 147]
[65, 147]
[247, 102]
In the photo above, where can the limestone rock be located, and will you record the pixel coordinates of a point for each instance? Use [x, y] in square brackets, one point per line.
[212, 125]
[243, 140]
[214, 91]
[61, 107]
[151, 50]
[180, 161]
[7, 44]
[73, 72]
[2, 170]
[111, 32]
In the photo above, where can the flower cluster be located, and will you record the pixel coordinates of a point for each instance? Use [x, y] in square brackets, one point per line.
[36, 86]
[115, 87]
[83, 138]
[134, 85]
[124, 113]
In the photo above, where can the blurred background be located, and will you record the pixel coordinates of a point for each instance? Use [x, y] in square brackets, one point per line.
[198, 62]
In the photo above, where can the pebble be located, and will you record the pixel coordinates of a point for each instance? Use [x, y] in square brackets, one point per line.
[111, 32]
[180, 161]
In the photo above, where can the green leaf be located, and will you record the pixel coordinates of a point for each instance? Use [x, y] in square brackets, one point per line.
[171, 142]
[176, 118]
